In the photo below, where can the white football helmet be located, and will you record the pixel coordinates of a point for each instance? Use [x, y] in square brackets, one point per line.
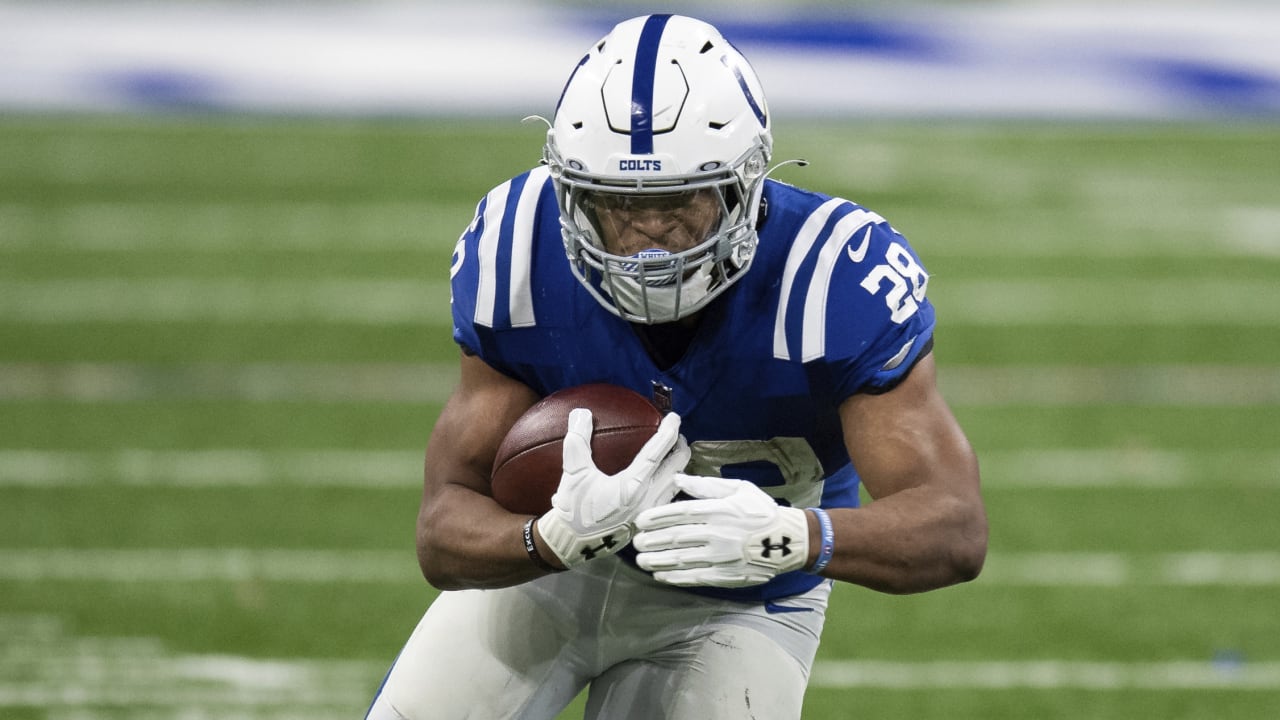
[659, 149]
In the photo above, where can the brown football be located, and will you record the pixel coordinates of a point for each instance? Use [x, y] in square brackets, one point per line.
[526, 470]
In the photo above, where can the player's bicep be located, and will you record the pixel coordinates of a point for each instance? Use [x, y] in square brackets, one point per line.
[472, 424]
[908, 438]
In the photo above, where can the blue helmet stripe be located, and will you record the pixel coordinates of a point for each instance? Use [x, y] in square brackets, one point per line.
[569, 82]
[742, 83]
[642, 85]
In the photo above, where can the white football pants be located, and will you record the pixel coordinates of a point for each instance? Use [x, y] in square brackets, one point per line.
[647, 650]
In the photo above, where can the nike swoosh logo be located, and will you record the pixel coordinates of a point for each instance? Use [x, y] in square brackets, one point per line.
[861, 252]
[774, 609]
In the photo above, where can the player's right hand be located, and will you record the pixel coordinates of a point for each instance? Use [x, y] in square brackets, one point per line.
[593, 514]
[731, 534]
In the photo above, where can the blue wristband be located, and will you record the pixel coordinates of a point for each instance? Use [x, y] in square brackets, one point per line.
[828, 546]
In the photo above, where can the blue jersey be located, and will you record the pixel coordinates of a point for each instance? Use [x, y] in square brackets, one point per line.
[833, 304]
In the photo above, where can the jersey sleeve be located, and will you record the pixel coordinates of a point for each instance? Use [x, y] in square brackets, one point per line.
[856, 303]
[464, 281]
[491, 283]
[872, 347]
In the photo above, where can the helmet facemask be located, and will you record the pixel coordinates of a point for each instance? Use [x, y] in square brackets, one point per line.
[657, 250]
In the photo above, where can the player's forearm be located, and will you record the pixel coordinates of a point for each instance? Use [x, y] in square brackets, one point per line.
[916, 540]
[465, 540]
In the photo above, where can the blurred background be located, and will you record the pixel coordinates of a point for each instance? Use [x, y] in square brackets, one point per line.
[225, 230]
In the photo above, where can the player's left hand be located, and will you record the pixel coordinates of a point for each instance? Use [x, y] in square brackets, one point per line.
[732, 534]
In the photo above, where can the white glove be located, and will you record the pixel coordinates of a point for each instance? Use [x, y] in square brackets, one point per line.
[592, 514]
[735, 536]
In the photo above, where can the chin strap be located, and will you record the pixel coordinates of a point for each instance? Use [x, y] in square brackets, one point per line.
[663, 303]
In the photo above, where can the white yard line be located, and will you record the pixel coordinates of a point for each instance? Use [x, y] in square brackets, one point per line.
[247, 300]
[1115, 468]
[1047, 675]
[997, 386]
[210, 565]
[1189, 569]
[356, 227]
[1095, 469]
[1064, 569]
[226, 467]
[1077, 386]
[45, 666]
[205, 227]
[231, 227]
[1123, 302]
[125, 382]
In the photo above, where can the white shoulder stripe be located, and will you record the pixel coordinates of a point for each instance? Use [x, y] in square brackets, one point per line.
[519, 248]
[799, 249]
[521, 295]
[814, 336]
[487, 289]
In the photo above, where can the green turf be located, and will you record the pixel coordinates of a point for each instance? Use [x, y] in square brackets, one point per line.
[282, 517]
[1180, 220]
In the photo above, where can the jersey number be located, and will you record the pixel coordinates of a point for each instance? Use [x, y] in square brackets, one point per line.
[907, 282]
[796, 462]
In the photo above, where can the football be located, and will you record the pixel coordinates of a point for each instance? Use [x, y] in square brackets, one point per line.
[526, 470]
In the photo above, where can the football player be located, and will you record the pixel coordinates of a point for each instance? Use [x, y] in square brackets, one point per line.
[789, 335]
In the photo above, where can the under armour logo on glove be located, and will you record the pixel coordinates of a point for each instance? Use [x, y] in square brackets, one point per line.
[770, 546]
[606, 543]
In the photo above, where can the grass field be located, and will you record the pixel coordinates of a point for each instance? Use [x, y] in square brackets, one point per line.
[224, 342]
